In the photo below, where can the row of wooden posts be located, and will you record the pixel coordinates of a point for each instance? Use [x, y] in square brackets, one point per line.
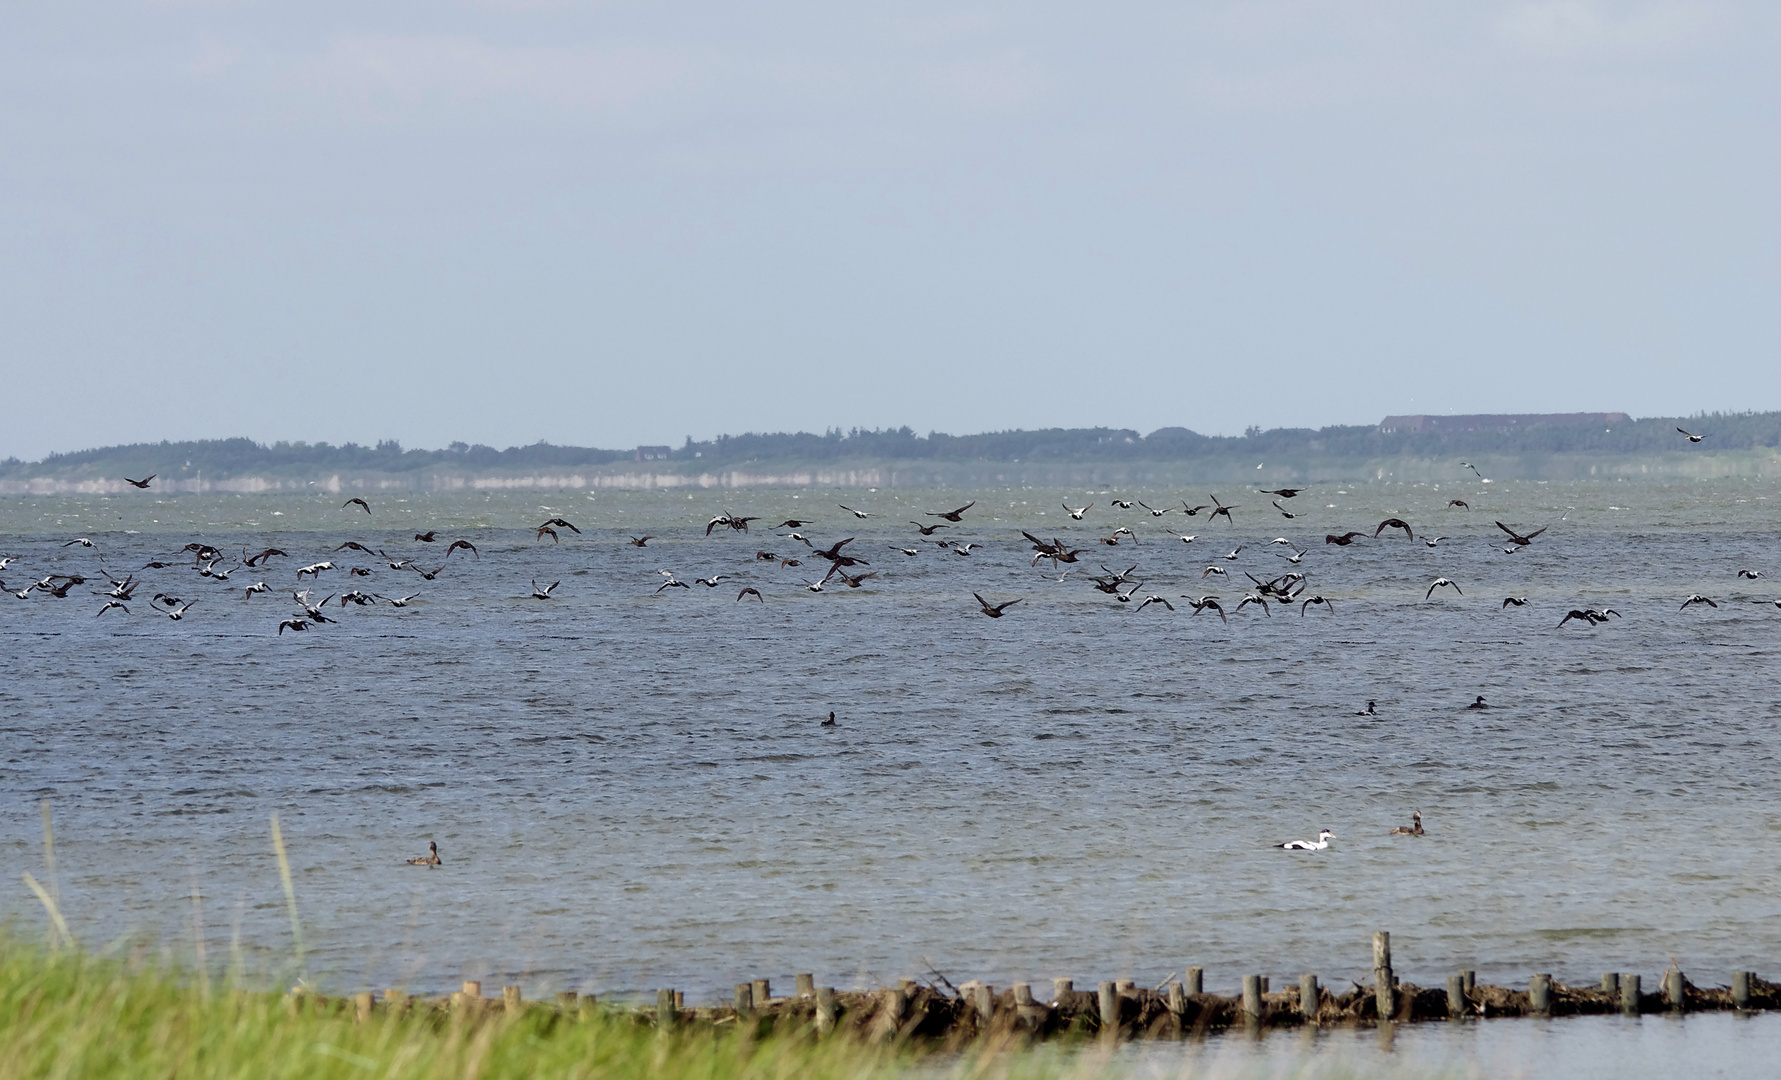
[1120, 1005]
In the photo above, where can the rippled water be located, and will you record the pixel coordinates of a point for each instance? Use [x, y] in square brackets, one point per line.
[632, 790]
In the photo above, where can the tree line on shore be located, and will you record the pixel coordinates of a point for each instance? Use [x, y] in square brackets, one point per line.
[239, 456]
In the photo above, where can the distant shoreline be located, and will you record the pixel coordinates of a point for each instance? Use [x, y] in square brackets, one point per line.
[1697, 465]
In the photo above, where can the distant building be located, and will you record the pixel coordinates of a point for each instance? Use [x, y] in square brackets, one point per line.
[654, 453]
[1498, 421]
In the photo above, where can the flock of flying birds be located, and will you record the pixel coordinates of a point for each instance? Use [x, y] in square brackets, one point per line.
[845, 566]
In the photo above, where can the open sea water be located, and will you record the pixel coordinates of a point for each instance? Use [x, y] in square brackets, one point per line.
[631, 789]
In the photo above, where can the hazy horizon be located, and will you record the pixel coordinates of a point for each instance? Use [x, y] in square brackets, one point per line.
[614, 223]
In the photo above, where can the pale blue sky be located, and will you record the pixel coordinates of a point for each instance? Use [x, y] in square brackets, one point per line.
[614, 223]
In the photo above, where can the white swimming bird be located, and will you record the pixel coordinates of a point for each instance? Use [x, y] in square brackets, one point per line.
[1322, 841]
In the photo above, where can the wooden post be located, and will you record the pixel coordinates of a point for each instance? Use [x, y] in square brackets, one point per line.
[1252, 995]
[1673, 988]
[1177, 1001]
[472, 988]
[763, 992]
[1610, 982]
[1109, 1008]
[896, 1003]
[1539, 995]
[1194, 982]
[1265, 986]
[1027, 1011]
[1382, 977]
[395, 1002]
[744, 998]
[567, 1001]
[1629, 992]
[1062, 987]
[983, 996]
[679, 1000]
[665, 1009]
[806, 985]
[1124, 986]
[1456, 996]
[1471, 980]
[825, 1010]
[587, 1005]
[361, 1006]
[1310, 997]
[511, 1001]
[1741, 989]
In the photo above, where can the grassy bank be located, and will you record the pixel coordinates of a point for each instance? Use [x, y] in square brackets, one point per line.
[74, 1016]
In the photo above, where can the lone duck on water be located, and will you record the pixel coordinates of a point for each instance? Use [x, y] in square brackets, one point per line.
[430, 859]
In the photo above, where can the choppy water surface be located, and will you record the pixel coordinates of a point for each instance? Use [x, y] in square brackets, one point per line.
[631, 790]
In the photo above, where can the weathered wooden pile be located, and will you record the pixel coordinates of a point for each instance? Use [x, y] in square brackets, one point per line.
[948, 1014]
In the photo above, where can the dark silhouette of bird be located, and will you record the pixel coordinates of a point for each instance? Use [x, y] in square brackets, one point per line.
[1519, 540]
[1474, 468]
[142, 483]
[1588, 615]
[1438, 583]
[994, 611]
[928, 530]
[1190, 511]
[641, 541]
[1518, 601]
[428, 575]
[711, 582]
[830, 722]
[1284, 493]
[354, 545]
[1206, 603]
[1394, 523]
[249, 560]
[428, 536]
[563, 524]
[1345, 539]
[1221, 510]
[791, 523]
[430, 859]
[951, 515]
[292, 624]
[361, 503]
[1696, 598]
[1478, 703]
[1368, 711]
[750, 591]
[1317, 600]
[1461, 503]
